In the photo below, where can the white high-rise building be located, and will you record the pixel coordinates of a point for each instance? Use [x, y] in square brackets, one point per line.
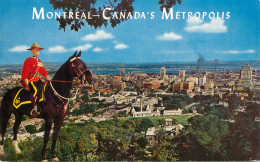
[182, 75]
[246, 77]
[195, 80]
[162, 71]
[122, 71]
[246, 72]
[202, 80]
[166, 80]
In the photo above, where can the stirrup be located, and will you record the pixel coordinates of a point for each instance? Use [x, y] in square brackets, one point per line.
[34, 113]
[34, 109]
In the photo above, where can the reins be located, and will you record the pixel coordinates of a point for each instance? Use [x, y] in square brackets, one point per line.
[79, 73]
[63, 81]
[65, 98]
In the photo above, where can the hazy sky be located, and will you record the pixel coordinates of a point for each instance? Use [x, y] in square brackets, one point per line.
[145, 40]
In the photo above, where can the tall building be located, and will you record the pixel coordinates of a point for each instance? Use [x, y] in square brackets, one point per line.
[209, 85]
[177, 86]
[189, 86]
[202, 80]
[246, 72]
[122, 71]
[195, 80]
[118, 86]
[166, 80]
[245, 80]
[151, 85]
[162, 71]
[140, 83]
[182, 74]
[257, 91]
[117, 78]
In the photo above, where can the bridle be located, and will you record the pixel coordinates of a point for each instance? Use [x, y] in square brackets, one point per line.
[79, 83]
[76, 70]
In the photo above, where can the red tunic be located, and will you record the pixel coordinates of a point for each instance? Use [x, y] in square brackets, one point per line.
[31, 70]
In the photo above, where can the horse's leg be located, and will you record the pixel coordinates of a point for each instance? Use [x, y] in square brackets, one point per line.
[5, 115]
[18, 119]
[57, 127]
[48, 124]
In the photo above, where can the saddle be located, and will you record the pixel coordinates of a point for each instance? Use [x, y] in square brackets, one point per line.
[23, 97]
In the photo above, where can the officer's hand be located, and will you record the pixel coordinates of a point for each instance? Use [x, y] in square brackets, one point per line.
[48, 78]
[27, 89]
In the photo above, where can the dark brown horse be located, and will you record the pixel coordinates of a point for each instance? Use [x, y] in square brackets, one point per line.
[53, 108]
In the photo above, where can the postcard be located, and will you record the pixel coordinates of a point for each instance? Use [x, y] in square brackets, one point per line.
[128, 80]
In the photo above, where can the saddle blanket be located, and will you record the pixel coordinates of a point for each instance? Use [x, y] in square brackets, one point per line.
[22, 97]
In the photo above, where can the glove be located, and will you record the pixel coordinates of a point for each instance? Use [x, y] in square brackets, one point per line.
[26, 85]
[48, 78]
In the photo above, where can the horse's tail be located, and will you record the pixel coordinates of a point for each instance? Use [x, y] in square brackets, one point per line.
[5, 109]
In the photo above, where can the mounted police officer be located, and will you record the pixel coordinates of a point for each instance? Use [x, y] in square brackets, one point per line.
[31, 79]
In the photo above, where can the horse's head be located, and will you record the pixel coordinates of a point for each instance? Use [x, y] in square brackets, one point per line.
[79, 69]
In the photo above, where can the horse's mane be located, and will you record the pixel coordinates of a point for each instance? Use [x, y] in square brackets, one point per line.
[63, 74]
[62, 70]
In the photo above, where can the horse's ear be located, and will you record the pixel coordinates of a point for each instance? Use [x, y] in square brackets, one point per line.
[79, 54]
[74, 55]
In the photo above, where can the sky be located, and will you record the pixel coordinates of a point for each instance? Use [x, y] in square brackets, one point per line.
[156, 40]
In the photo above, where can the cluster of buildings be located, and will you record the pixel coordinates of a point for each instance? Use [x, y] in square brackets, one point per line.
[150, 110]
[245, 83]
[208, 83]
[133, 90]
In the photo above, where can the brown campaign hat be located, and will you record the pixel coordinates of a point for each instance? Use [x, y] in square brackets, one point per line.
[35, 45]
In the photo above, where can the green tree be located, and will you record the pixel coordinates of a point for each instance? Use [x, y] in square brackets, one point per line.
[221, 111]
[188, 148]
[161, 121]
[120, 114]
[67, 143]
[113, 143]
[31, 129]
[85, 97]
[209, 130]
[84, 109]
[244, 137]
[176, 101]
[129, 124]
[174, 121]
[42, 128]
[88, 143]
[137, 149]
[233, 103]
[144, 125]
[163, 149]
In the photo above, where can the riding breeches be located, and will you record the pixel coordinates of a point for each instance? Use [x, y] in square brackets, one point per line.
[35, 88]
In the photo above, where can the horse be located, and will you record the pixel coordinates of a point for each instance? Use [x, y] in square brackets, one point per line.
[53, 109]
